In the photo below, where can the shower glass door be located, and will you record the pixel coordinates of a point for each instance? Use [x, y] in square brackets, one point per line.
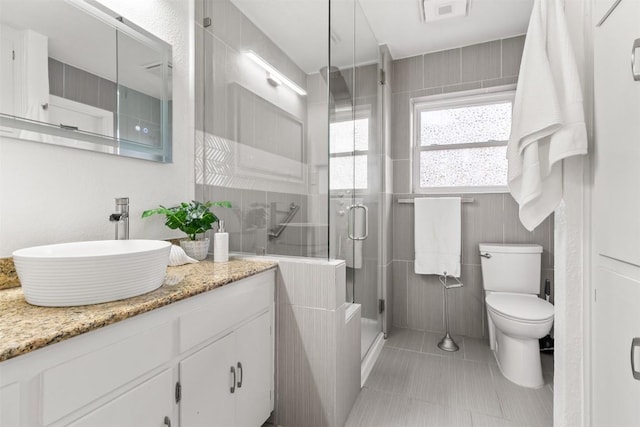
[354, 160]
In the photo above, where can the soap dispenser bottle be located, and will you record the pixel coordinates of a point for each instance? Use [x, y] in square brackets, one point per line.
[221, 244]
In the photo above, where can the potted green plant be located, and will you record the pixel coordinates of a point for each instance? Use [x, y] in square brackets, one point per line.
[192, 219]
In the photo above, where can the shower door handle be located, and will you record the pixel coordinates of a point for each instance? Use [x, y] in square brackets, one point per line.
[635, 72]
[351, 221]
[635, 358]
[366, 222]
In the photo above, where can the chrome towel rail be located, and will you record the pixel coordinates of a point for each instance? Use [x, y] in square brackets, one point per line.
[462, 200]
[274, 233]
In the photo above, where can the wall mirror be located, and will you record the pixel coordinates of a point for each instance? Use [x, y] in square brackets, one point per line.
[76, 74]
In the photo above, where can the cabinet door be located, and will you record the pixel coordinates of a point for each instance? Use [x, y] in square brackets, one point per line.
[617, 131]
[255, 356]
[616, 393]
[146, 405]
[10, 405]
[207, 384]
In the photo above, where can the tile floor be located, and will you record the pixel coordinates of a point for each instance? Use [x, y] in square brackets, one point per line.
[416, 384]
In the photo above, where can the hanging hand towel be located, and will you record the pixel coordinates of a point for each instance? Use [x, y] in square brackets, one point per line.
[548, 118]
[437, 235]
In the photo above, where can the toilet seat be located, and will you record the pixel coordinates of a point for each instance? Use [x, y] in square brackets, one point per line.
[519, 307]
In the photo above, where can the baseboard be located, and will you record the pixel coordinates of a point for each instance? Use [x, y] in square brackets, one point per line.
[370, 359]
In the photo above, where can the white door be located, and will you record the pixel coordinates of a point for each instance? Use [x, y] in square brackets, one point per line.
[616, 221]
[616, 393]
[208, 380]
[255, 365]
[617, 135]
[146, 405]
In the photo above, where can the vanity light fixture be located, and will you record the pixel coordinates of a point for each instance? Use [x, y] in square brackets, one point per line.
[274, 74]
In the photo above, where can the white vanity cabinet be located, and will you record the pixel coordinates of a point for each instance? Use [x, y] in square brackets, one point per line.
[228, 383]
[147, 404]
[168, 367]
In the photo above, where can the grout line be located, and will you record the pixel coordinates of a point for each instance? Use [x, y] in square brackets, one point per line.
[440, 355]
[501, 58]
[460, 62]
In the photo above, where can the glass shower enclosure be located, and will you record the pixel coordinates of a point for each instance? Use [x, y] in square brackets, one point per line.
[288, 131]
[354, 160]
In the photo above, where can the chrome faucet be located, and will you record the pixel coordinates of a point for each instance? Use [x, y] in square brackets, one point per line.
[121, 214]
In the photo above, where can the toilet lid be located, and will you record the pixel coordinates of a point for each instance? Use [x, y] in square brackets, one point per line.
[524, 307]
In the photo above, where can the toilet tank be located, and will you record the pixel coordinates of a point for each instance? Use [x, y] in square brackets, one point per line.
[511, 267]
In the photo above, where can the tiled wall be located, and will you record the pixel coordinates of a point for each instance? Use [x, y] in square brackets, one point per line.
[136, 108]
[81, 86]
[317, 346]
[250, 219]
[418, 299]
[227, 83]
[473, 67]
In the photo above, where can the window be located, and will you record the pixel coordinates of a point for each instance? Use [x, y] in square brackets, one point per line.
[460, 143]
[348, 153]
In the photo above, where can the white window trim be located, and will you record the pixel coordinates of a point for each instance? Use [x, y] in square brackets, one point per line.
[437, 102]
[360, 112]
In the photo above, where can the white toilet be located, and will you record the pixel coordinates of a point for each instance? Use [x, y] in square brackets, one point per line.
[517, 317]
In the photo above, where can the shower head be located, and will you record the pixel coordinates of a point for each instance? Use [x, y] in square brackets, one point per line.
[338, 88]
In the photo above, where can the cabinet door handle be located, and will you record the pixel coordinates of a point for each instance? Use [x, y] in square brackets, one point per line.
[240, 371]
[233, 382]
[634, 70]
[167, 421]
[635, 357]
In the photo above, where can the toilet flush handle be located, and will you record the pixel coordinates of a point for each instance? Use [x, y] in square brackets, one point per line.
[485, 255]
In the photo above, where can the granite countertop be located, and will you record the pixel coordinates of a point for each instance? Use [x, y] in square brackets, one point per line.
[24, 327]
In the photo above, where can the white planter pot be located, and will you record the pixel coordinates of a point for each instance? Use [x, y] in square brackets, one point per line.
[196, 249]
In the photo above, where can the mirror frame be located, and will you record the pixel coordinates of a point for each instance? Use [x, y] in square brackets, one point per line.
[35, 131]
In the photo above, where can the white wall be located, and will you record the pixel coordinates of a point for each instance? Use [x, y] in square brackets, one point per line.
[52, 194]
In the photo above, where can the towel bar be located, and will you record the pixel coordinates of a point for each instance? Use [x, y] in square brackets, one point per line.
[462, 200]
[443, 280]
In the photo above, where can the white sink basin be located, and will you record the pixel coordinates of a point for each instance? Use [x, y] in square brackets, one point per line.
[81, 273]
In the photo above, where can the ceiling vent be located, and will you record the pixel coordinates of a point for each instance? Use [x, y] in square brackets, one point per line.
[436, 10]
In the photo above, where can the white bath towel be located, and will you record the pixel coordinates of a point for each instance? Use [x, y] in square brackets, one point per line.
[548, 118]
[437, 235]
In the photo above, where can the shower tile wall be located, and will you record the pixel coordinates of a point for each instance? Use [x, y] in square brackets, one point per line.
[318, 158]
[236, 145]
[137, 108]
[78, 85]
[418, 299]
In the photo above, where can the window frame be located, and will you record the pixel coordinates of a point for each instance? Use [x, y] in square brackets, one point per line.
[360, 113]
[452, 100]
